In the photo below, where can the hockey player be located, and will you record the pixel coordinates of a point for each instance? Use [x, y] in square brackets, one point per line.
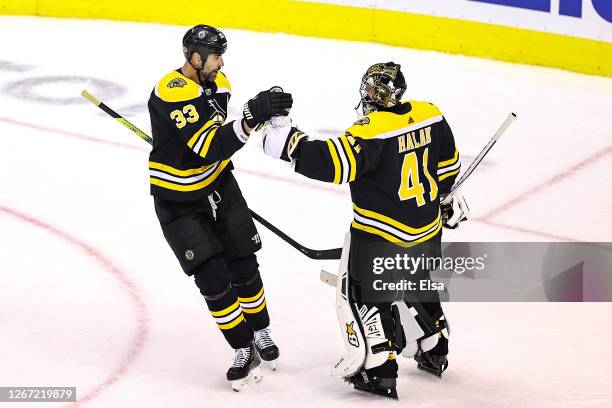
[399, 159]
[202, 212]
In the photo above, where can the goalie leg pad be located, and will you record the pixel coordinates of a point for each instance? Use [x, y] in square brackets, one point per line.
[420, 336]
[354, 357]
[370, 331]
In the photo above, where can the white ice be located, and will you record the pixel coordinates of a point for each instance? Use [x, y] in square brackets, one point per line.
[92, 297]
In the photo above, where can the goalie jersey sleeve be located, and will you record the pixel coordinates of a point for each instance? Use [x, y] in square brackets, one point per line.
[191, 144]
[397, 163]
[338, 160]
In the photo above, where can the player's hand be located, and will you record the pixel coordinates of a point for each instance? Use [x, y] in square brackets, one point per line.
[455, 211]
[282, 142]
[265, 105]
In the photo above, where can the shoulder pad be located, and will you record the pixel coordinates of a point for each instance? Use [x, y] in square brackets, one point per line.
[363, 128]
[175, 87]
[222, 83]
[424, 110]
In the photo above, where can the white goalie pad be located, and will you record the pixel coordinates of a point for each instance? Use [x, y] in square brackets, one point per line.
[412, 330]
[353, 358]
[357, 341]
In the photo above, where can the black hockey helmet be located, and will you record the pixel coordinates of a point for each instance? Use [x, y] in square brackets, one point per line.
[382, 86]
[204, 40]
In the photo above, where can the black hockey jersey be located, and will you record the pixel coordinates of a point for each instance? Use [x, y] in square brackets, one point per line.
[191, 145]
[398, 162]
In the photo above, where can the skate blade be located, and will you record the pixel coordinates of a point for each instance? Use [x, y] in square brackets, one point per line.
[388, 393]
[271, 365]
[436, 371]
[253, 378]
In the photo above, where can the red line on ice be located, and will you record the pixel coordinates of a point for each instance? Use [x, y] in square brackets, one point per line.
[138, 341]
[92, 139]
[557, 178]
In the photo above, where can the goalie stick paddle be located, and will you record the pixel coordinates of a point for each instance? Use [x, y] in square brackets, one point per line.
[333, 253]
[511, 118]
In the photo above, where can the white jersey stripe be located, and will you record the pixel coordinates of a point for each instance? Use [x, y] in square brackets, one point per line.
[183, 180]
[412, 128]
[400, 234]
[343, 160]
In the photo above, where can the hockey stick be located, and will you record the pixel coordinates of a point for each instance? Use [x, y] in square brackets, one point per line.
[310, 253]
[511, 118]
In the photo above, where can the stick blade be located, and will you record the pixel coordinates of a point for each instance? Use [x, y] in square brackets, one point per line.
[328, 278]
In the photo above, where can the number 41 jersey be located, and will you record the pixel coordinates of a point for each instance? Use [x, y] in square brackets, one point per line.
[398, 163]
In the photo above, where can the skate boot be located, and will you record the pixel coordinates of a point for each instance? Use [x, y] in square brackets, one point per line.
[267, 350]
[244, 371]
[380, 380]
[431, 363]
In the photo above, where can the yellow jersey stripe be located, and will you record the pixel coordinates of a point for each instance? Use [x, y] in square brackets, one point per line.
[177, 172]
[447, 175]
[256, 310]
[394, 223]
[209, 139]
[336, 160]
[231, 324]
[392, 238]
[375, 231]
[197, 134]
[191, 187]
[252, 298]
[351, 157]
[225, 311]
[450, 161]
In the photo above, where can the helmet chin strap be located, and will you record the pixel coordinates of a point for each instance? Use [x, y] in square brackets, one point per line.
[199, 71]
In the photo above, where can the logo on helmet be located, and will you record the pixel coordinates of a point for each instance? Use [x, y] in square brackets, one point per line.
[189, 255]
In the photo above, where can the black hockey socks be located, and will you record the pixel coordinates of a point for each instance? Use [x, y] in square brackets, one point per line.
[253, 302]
[226, 311]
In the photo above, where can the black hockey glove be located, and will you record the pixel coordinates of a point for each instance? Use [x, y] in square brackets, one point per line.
[265, 105]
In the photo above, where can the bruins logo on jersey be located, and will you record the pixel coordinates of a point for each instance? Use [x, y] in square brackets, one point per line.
[363, 121]
[177, 83]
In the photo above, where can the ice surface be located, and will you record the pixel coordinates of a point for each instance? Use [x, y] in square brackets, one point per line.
[92, 297]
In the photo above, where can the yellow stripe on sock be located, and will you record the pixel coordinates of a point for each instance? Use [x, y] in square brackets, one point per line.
[252, 298]
[225, 311]
[256, 310]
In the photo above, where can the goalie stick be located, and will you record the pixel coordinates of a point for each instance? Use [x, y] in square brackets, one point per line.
[511, 118]
[333, 253]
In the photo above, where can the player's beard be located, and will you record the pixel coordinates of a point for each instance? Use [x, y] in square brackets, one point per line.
[211, 76]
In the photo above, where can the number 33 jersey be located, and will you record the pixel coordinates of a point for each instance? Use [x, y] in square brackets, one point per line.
[191, 144]
[398, 162]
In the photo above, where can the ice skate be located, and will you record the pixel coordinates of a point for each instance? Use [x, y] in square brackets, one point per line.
[431, 363]
[267, 350]
[245, 370]
[385, 387]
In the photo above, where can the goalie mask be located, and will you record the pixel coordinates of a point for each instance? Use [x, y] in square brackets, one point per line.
[382, 87]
